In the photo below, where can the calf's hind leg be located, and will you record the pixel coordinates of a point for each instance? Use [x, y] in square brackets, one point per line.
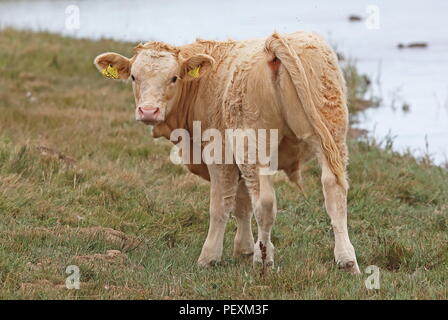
[264, 205]
[336, 205]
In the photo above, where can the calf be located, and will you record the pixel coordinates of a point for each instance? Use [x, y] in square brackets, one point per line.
[291, 84]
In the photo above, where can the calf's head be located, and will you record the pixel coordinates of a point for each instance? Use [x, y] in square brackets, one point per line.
[158, 74]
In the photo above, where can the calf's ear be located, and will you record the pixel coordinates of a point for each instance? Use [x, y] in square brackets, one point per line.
[196, 67]
[113, 65]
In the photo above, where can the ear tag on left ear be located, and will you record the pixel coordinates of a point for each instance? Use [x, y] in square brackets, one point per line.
[194, 72]
[110, 72]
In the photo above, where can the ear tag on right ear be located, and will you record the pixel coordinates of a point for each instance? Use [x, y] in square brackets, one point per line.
[194, 72]
[110, 72]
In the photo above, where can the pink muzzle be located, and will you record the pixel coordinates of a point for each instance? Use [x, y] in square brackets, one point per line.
[148, 114]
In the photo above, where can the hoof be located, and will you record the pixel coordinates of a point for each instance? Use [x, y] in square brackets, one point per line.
[346, 259]
[243, 250]
[349, 266]
[207, 264]
[243, 255]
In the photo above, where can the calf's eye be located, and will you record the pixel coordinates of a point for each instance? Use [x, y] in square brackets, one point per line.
[174, 79]
[133, 78]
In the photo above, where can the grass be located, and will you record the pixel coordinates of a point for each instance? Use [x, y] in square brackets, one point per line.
[78, 178]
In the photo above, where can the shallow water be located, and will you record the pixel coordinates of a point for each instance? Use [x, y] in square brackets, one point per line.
[414, 77]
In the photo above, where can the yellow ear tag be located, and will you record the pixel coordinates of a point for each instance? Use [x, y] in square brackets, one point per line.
[110, 72]
[194, 72]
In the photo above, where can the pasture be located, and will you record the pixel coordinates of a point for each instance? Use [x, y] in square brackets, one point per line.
[81, 183]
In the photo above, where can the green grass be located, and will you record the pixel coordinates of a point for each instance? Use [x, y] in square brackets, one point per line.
[120, 178]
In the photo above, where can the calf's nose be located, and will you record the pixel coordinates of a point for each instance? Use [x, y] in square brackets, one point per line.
[148, 113]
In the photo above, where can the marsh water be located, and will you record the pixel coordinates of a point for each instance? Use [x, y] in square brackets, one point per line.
[412, 83]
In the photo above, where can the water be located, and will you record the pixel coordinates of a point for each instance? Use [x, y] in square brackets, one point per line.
[414, 77]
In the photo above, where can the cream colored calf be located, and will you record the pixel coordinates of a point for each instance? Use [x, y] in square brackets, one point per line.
[290, 83]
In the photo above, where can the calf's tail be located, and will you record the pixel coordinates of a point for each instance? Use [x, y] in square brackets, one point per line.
[281, 49]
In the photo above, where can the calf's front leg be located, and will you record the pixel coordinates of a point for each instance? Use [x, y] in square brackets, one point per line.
[223, 188]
